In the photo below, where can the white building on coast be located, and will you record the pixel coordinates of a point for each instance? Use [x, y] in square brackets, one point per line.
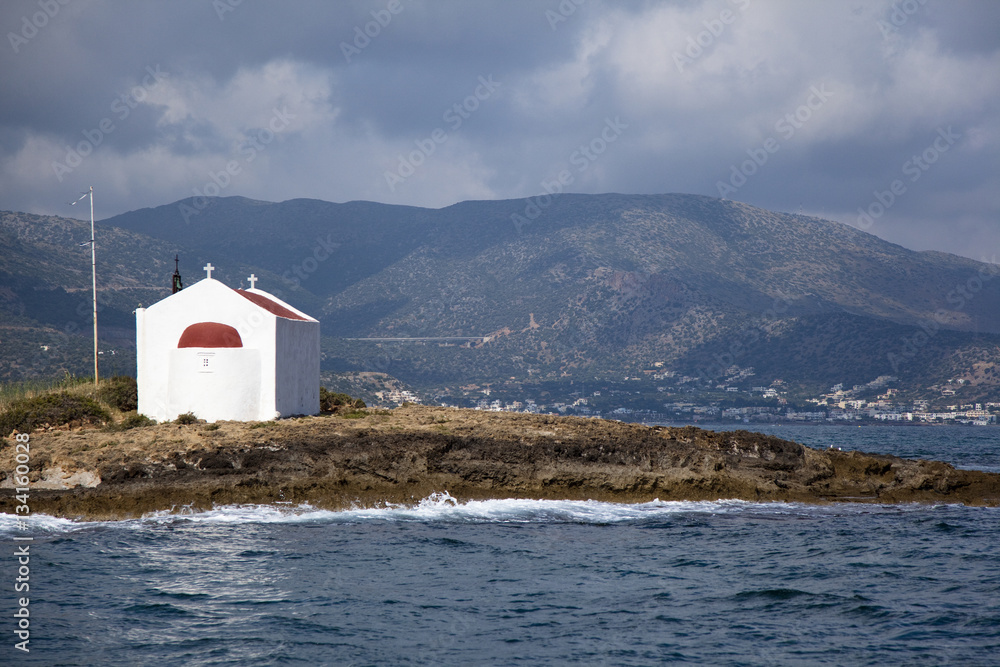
[226, 354]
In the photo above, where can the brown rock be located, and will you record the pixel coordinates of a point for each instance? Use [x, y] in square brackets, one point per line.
[406, 454]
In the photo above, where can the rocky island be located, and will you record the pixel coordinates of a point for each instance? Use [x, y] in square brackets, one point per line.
[368, 457]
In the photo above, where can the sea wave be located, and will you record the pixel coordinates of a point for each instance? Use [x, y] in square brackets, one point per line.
[444, 508]
[36, 524]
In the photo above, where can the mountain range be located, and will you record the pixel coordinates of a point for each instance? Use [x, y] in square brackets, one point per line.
[560, 289]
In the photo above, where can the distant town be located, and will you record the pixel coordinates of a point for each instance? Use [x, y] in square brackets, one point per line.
[665, 396]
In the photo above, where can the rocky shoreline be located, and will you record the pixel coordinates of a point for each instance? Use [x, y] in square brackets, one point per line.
[404, 455]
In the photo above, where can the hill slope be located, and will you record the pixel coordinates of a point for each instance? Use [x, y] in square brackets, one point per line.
[588, 286]
[741, 255]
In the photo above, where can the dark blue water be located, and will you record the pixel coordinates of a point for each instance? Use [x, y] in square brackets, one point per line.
[512, 582]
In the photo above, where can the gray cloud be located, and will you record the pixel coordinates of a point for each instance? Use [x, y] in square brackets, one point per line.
[307, 105]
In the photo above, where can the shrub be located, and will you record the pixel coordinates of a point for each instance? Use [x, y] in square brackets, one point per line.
[54, 409]
[120, 392]
[186, 418]
[133, 420]
[333, 402]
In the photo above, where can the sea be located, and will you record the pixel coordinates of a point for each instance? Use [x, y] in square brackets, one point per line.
[527, 582]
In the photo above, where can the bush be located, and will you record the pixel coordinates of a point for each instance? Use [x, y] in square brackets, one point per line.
[133, 420]
[333, 402]
[120, 392]
[186, 418]
[52, 409]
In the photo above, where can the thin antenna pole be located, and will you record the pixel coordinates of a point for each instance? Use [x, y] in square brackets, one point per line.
[93, 276]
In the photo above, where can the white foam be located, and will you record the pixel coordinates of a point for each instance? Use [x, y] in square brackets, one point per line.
[37, 525]
[443, 508]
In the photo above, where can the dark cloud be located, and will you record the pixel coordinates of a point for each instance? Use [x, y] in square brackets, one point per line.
[308, 105]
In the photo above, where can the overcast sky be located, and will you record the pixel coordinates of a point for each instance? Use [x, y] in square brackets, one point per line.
[824, 107]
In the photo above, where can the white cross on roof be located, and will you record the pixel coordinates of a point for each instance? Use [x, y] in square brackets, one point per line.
[208, 269]
[253, 281]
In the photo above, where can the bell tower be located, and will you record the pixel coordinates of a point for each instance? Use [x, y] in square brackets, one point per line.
[177, 284]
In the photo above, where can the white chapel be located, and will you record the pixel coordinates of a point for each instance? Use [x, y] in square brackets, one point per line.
[226, 354]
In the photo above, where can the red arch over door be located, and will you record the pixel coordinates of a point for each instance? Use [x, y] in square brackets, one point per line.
[210, 334]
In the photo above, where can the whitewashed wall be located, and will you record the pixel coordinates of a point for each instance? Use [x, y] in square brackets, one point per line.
[227, 387]
[166, 390]
[297, 387]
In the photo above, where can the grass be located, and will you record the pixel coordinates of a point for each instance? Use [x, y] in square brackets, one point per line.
[16, 391]
[25, 406]
[358, 414]
[255, 425]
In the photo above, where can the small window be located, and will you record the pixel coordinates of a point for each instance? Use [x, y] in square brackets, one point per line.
[204, 362]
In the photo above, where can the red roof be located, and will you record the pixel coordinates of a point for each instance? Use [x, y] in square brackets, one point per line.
[210, 334]
[270, 306]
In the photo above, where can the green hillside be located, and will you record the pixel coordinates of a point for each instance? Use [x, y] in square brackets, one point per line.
[588, 286]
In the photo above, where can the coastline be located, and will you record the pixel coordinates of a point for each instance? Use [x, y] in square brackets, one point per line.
[406, 454]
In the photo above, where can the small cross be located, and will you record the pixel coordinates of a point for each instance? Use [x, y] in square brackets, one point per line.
[208, 269]
[253, 281]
